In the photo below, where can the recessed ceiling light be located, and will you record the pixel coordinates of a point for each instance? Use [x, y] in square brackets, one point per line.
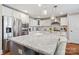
[45, 12]
[39, 5]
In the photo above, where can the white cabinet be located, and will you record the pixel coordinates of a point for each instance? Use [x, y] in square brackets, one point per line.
[33, 22]
[64, 21]
[74, 28]
[9, 12]
[45, 22]
[24, 18]
[6, 11]
[16, 14]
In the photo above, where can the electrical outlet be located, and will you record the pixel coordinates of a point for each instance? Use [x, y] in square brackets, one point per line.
[19, 51]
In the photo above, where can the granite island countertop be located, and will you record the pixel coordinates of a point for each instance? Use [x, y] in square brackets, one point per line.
[42, 43]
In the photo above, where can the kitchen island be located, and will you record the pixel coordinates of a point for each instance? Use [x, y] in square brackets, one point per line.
[44, 43]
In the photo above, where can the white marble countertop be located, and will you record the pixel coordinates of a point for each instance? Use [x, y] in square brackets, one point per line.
[42, 43]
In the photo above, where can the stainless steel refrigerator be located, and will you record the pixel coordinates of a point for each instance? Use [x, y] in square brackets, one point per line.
[11, 27]
[7, 32]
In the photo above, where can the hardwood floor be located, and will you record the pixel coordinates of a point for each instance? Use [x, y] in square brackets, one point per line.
[72, 49]
[9, 53]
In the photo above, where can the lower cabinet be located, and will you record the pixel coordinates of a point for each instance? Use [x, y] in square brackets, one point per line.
[72, 49]
[17, 49]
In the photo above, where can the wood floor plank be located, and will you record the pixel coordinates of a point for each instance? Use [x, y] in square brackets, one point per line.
[72, 49]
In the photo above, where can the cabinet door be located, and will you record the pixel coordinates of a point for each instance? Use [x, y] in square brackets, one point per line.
[24, 18]
[45, 22]
[74, 28]
[16, 14]
[33, 22]
[64, 21]
[6, 11]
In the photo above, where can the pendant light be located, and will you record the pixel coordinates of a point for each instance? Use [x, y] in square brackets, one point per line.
[55, 18]
[55, 13]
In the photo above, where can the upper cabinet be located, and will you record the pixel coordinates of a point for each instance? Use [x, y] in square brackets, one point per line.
[63, 21]
[24, 18]
[9, 12]
[16, 14]
[45, 22]
[6, 11]
[33, 22]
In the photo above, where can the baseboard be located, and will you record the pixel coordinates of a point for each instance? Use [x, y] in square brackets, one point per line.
[0, 52]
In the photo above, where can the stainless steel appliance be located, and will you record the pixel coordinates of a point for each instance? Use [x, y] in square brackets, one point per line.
[25, 29]
[12, 27]
[17, 27]
[7, 32]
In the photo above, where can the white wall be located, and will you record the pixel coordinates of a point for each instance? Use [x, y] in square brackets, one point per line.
[0, 30]
[74, 28]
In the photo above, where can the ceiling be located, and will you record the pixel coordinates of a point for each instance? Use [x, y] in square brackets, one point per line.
[35, 11]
